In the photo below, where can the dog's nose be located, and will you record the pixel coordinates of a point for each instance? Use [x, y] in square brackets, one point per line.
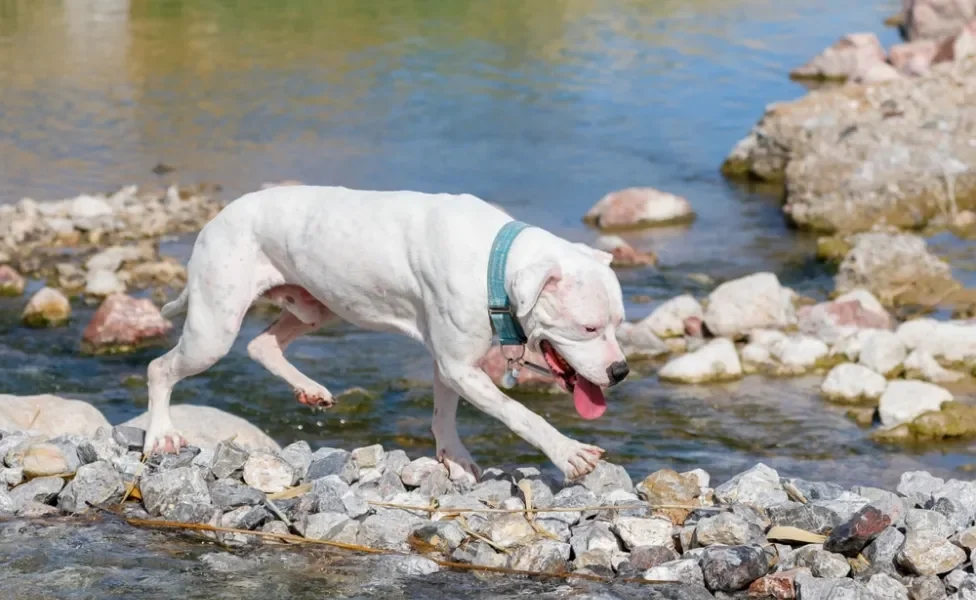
[617, 372]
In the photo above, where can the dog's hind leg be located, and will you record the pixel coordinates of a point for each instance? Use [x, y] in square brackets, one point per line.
[302, 314]
[450, 450]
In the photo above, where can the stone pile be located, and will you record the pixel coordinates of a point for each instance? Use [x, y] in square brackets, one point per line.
[758, 535]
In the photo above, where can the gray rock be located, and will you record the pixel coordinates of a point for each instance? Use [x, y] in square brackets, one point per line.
[405, 566]
[886, 587]
[299, 456]
[276, 527]
[919, 520]
[82, 446]
[418, 470]
[37, 510]
[354, 504]
[382, 488]
[846, 505]
[9, 445]
[96, 482]
[544, 555]
[759, 486]
[245, 517]
[570, 497]
[646, 557]
[596, 562]
[477, 521]
[168, 462]
[882, 553]
[370, 456]
[332, 461]
[926, 587]
[510, 530]
[129, 465]
[128, 437]
[230, 493]
[820, 562]
[479, 553]
[41, 489]
[733, 568]
[956, 579]
[437, 483]
[189, 512]
[961, 492]
[442, 536]
[622, 498]
[966, 591]
[801, 490]
[228, 458]
[927, 553]
[636, 531]
[327, 494]
[7, 504]
[918, 486]
[332, 526]
[496, 491]
[966, 539]
[395, 461]
[727, 529]
[11, 477]
[680, 571]
[386, 530]
[606, 477]
[955, 513]
[593, 535]
[811, 588]
[809, 517]
[162, 490]
[268, 472]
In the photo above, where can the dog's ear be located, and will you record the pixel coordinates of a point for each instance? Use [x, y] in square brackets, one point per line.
[600, 255]
[528, 283]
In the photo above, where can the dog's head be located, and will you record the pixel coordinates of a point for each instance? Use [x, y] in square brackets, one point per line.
[570, 306]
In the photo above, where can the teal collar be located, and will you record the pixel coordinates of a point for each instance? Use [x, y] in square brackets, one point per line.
[500, 311]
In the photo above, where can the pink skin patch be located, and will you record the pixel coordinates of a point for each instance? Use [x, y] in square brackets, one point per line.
[587, 396]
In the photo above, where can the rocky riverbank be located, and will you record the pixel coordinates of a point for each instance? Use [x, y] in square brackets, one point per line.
[760, 534]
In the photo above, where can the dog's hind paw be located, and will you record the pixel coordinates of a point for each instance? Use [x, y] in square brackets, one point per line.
[319, 399]
[167, 442]
[579, 460]
[460, 466]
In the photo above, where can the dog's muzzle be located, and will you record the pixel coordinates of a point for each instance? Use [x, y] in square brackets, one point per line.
[617, 372]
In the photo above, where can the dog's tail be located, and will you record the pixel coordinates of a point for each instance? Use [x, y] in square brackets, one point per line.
[171, 309]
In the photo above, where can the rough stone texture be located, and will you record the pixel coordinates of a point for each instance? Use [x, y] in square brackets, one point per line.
[123, 323]
[883, 352]
[161, 491]
[716, 361]
[919, 486]
[935, 19]
[920, 520]
[808, 517]
[206, 426]
[753, 302]
[595, 535]
[50, 415]
[727, 529]
[299, 456]
[854, 311]
[759, 486]
[646, 557]
[885, 587]
[811, 588]
[387, 530]
[98, 483]
[607, 477]
[733, 568]
[441, 536]
[637, 340]
[927, 553]
[903, 401]
[230, 493]
[849, 383]
[268, 472]
[855, 534]
[545, 555]
[40, 459]
[48, 307]
[851, 54]
[636, 531]
[679, 571]
[638, 207]
[42, 490]
[331, 526]
[418, 470]
[926, 587]
[510, 530]
[228, 458]
[370, 456]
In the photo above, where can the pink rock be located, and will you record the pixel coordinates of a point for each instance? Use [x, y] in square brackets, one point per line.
[694, 327]
[937, 19]
[123, 323]
[913, 58]
[639, 207]
[830, 321]
[851, 54]
[624, 255]
[494, 364]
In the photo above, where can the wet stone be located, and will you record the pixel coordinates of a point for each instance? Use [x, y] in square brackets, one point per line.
[808, 517]
[727, 529]
[228, 458]
[919, 520]
[679, 571]
[927, 553]
[42, 489]
[160, 490]
[299, 456]
[97, 483]
[733, 568]
[856, 533]
[409, 566]
[230, 493]
[544, 556]
[606, 477]
[130, 438]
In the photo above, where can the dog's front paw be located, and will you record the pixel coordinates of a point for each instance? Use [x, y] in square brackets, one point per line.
[577, 460]
[165, 441]
[315, 398]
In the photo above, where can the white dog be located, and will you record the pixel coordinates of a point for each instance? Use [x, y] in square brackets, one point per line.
[404, 262]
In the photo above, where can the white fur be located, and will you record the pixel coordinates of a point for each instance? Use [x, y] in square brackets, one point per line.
[403, 262]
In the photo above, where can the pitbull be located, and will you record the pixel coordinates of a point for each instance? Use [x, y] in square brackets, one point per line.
[405, 262]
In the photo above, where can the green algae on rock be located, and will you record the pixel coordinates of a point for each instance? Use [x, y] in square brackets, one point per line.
[954, 420]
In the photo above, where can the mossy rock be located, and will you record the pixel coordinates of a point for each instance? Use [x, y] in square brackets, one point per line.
[955, 420]
[832, 248]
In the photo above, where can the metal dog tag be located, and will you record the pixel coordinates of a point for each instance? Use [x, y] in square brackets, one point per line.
[510, 378]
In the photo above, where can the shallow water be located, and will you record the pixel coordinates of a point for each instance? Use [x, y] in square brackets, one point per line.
[541, 107]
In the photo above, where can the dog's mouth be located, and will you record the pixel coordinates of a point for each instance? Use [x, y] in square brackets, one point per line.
[587, 396]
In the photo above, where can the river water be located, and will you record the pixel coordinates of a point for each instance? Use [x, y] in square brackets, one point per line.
[541, 107]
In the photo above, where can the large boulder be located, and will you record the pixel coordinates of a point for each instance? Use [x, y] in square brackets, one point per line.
[902, 401]
[50, 415]
[123, 323]
[206, 426]
[936, 19]
[639, 207]
[853, 311]
[851, 54]
[950, 342]
[754, 302]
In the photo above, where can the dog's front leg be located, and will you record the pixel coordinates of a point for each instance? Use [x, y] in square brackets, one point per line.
[573, 458]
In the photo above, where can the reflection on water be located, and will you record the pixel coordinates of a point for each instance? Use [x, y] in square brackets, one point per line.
[540, 106]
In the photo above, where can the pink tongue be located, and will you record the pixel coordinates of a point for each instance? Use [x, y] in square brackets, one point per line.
[589, 400]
